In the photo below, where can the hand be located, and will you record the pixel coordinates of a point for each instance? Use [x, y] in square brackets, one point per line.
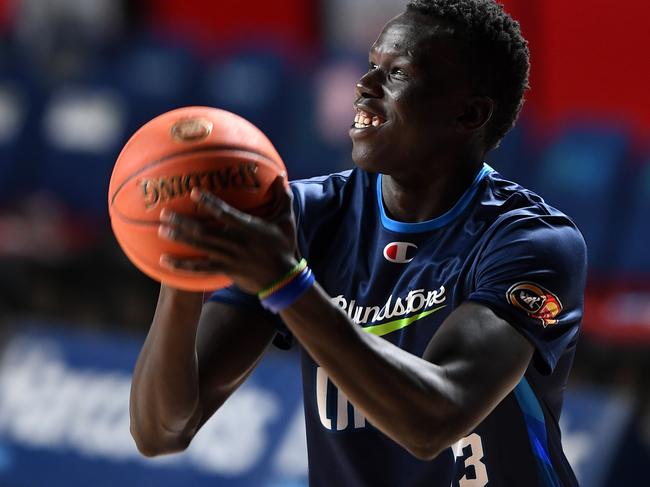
[252, 251]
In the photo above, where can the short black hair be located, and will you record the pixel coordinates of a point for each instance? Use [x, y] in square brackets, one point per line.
[499, 56]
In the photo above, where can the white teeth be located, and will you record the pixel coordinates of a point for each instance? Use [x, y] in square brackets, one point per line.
[364, 120]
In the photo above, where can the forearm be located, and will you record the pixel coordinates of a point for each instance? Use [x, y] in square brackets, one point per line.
[165, 389]
[401, 394]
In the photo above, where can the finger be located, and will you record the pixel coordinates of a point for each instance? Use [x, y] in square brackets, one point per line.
[176, 227]
[281, 200]
[283, 197]
[202, 266]
[220, 209]
[214, 246]
[278, 186]
[199, 229]
[187, 225]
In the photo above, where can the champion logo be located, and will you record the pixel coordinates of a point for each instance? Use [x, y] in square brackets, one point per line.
[400, 252]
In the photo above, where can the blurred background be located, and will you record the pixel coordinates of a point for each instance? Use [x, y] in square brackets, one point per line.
[77, 77]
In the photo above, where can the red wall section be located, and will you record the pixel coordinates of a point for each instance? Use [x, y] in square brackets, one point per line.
[597, 58]
[6, 12]
[590, 58]
[215, 25]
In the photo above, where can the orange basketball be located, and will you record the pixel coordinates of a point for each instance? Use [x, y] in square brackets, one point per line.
[201, 147]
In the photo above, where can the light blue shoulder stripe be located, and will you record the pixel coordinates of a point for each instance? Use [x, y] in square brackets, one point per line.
[536, 426]
[438, 222]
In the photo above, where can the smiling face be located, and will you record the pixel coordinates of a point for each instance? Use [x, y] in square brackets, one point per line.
[410, 101]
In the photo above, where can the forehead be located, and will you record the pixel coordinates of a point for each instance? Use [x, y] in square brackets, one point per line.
[415, 36]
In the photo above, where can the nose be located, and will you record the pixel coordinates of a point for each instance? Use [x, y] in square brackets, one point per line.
[369, 85]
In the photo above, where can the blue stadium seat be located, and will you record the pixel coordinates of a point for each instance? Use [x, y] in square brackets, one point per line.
[87, 120]
[634, 240]
[317, 115]
[14, 106]
[581, 173]
[252, 84]
[259, 86]
[82, 132]
[155, 78]
[21, 98]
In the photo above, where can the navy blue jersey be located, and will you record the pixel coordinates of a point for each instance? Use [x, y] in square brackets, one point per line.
[500, 245]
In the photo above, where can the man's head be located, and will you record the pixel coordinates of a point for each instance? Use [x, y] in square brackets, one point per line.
[444, 74]
[497, 55]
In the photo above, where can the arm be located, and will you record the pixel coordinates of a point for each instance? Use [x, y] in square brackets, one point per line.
[195, 356]
[425, 404]
[531, 276]
[193, 359]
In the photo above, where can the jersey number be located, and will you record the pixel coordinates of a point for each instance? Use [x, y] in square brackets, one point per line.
[479, 477]
[472, 442]
[342, 417]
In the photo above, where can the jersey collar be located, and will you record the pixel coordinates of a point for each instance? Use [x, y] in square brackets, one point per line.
[442, 220]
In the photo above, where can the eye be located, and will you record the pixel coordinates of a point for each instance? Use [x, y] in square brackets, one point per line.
[371, 66]
[399, 72]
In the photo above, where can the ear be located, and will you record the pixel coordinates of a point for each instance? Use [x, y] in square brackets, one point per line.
[477, 113]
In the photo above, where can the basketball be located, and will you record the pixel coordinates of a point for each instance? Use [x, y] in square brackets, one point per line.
[193, 147]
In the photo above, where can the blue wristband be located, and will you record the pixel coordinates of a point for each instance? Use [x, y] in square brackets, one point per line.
[289, 294]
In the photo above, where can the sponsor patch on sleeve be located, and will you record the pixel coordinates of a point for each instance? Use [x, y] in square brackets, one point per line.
[537, 302]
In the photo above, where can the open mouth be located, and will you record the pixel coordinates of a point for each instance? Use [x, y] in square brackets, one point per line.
[363, 120]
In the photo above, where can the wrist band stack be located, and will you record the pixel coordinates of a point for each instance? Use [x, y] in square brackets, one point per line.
[286, 290]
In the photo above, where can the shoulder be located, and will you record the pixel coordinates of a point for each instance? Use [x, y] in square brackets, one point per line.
[521, 233]
[522, 217]
[326, 194]
[322, 186]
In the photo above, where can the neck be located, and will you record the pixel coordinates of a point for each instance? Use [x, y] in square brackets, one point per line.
[413, 200]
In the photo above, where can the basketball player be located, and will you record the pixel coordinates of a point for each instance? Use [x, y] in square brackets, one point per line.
[438, 334]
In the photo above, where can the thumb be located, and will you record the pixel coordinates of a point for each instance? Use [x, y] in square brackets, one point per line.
[279, 185]
[281, 195]
[280, 190]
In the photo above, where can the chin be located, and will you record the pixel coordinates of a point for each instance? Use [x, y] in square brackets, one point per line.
[372, 161]
[365, 158]
[365, 163]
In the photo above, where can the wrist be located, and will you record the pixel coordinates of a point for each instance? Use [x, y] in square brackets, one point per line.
[271, 273]
[291, 272]
[283, 292]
